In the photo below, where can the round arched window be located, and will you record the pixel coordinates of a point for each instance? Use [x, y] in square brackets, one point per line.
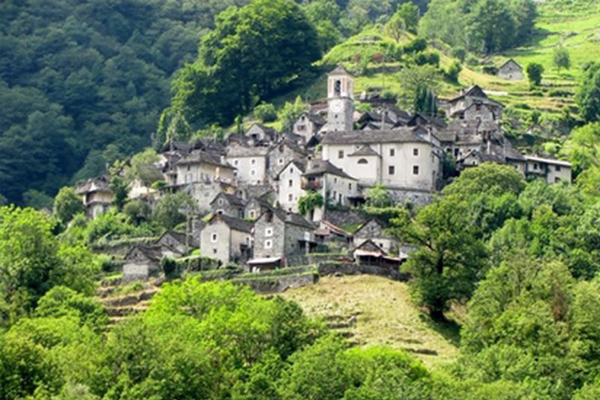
[363, 161]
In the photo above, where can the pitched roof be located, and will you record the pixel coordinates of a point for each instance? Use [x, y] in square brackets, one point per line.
[179, 236]
[365, 150]
[231, 199]
[152, 252]
[99, 184]
[300, 164]
[340, 70]
[320, 167]
[509, 61]
[200, 156]
[240, 150]
[473, 91]
[233, 222]
[399, 135]
[290, 218]
[183, 147]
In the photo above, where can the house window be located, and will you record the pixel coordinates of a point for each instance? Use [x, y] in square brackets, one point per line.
[235, 162]
[220, 202]
[535, 166]
[291, 170]
[214, 251]
[557, 168]
[415, 170]
[334, 180]
[415, 152]
[280, 161]
[340, 198]
[556, 180]
[391, 170]
[363, 161]
[334, 194]
[253, 172]
[301, 128]
[214, 238]
[392, 152]
[268, 232]
[341, 154]
[291, 183]
[349, 186]
[251, 214]
[268, 244]
[188, 167]
[290, 197]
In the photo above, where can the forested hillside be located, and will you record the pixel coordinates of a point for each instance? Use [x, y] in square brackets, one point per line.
[82, 83]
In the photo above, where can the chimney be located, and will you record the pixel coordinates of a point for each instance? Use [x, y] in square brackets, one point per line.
[489, 146]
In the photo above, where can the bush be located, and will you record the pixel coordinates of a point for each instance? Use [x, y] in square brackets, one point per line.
[560, 93]
[416, 46]
[453, 71]
[169, 267]
[472, 61]
[265, 112]
[490, 69]
[459, 53]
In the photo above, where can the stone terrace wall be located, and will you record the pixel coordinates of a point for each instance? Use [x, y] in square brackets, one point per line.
[354, 269]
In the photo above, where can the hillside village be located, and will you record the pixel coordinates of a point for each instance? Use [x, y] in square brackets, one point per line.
[248, 190]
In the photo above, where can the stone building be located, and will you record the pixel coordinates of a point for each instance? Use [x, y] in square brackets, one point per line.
[552, 171]
[175, 240]
[280, 236]
[473, 104]
[260, 135]
[281, 154]
[227, 239]
[255, 207]
[374, 231]
[335, 186]
[308, 125]
[251, 163]
[290, 185]
[340, 99]
[97, 195]
[228, 204]
[511, 70]
[202, 166]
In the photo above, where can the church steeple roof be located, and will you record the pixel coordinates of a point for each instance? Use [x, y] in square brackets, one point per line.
[340, 70]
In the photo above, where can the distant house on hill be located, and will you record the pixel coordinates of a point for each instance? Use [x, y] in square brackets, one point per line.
[511, 70]
[97, 195]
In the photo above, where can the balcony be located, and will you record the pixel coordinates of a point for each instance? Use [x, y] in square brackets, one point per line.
[311, 184]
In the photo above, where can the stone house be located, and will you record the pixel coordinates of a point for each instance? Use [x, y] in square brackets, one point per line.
[261, 135]
[204, 193]
[204, 167]
[227, 239]
[96, 194]
[255, 207]
[374, 231]
[251, 163]
[511, 70]
[308, 125]
[228, 204]
[473, 104]
[289, 185]
[279, 236]
[552, 171]
[142, 261]
[174, 240]
[334, 185]
[281, 154]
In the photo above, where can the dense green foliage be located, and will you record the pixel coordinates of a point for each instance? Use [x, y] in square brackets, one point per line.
[253, 52]
[588, 95]
[484, 26]
[83, 83]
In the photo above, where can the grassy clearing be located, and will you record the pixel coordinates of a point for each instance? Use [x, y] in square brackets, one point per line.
[384, 315]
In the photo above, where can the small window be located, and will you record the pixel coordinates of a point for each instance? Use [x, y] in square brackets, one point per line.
[280, 161]
[557, 168]
[290, 197]
[416, 170]
[340, 198]
[341, 154]
[291, 170]
[268, 244]
[188, 167]
[334, 194]
[535, 166]
[214, 238]
[268, 232]
[392, 152]
[253, 161]
[236, 162]
[291, 183]
[415, 152]
[334, 180]
[391, 170]
[253, 172]
[251, 214]
[220, 202]
[349, 186]
[214, 251]
[363, 161]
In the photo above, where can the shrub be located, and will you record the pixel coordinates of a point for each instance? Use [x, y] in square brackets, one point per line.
[416, 46]
[459, 53]
[265, 112]
[490, 69]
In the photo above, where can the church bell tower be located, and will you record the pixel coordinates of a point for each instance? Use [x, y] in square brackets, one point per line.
[340, 99]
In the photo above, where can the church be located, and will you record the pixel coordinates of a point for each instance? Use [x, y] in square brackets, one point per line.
[405, 159]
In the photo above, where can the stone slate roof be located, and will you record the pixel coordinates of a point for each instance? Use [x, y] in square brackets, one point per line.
[200, 156]
[99, 184]
[399, 135]
[365, 150]
[179, 236]
[234, 223]
[231, 199]
[473, 91]
[239, 150]
[177, 146]
[320, 167]
[152, 252]
[271, 132]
